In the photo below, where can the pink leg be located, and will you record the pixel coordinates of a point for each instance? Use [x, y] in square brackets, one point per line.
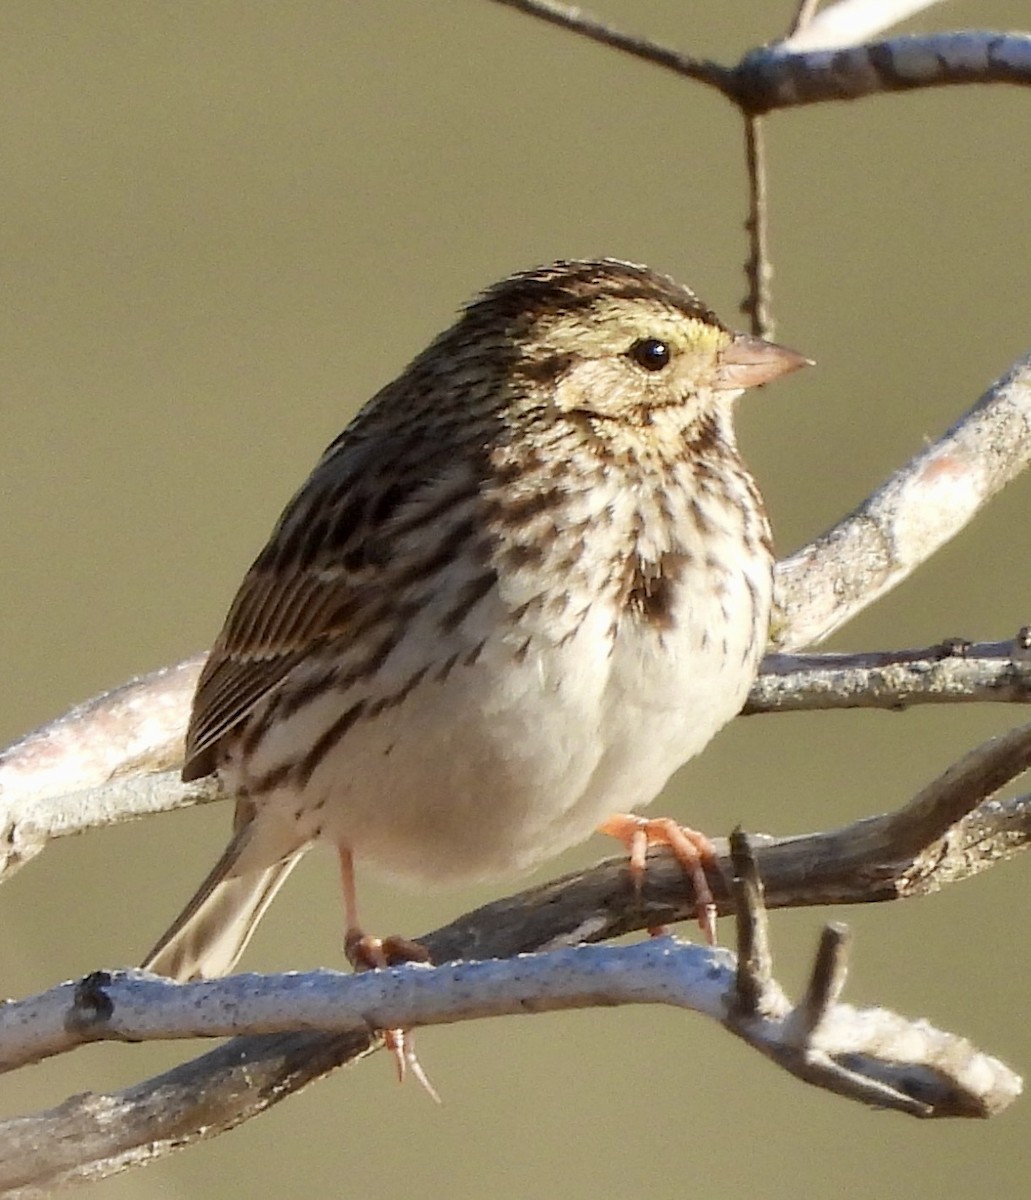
[366, 953]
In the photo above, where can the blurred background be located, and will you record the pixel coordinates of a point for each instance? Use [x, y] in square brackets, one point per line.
[224, 227]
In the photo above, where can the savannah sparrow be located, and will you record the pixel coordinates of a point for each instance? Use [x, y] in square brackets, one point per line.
[527, 582]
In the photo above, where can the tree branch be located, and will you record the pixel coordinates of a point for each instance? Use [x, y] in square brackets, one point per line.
[574, 19]
[775, 77]
[906, 520]
[869, 1055]
[951, 672]
[822, 61]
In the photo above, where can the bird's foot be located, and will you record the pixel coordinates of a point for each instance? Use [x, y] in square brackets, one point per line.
[693, 850]
[366, 953]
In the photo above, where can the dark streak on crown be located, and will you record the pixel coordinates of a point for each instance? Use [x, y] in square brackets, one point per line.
[569, 286]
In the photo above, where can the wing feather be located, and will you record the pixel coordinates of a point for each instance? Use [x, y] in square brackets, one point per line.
[323, 571]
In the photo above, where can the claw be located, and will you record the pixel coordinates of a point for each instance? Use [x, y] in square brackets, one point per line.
[689, 847]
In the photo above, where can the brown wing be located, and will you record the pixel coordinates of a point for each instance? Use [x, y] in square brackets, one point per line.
[323, 566]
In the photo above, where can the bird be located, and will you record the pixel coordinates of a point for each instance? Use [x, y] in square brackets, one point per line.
[529, 580]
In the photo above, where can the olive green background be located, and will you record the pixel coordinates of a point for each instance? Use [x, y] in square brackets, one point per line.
[223, 227]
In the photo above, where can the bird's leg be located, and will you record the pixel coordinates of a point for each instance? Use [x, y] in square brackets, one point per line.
[366, 953]
[691, 849]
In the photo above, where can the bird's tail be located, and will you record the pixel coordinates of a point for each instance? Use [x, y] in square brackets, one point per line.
[210, 934]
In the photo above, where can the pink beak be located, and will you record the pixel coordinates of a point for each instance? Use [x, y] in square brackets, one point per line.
[749, 361]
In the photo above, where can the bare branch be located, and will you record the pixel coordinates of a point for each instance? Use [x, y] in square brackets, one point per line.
[870, 1055]
[952, 672]
[135, 728]
[574, 19]
[815, 1031]
[821, 62]
[775, 77]
[900, 526]
[951, 830]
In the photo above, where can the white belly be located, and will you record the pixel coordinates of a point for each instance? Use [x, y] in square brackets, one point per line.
[510, 760]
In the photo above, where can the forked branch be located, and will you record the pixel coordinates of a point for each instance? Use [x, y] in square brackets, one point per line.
[823, 59]
[870, 1055]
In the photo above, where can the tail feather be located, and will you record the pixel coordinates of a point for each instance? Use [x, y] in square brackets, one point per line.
[212, 931]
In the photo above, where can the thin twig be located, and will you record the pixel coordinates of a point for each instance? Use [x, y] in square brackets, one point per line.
[574, 19]
[758, 272]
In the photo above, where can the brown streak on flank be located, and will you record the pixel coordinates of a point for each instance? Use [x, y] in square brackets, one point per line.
[753, 599]
[385, 702]
[471, 594]
[521, 651]
[578, 620]
[411, 685]
[372, 662]
[474, 654]
[446, 668]
[304, 770]
[272, 779]
[254, 730]
[398, 697]
[297, 696]
[557, 604]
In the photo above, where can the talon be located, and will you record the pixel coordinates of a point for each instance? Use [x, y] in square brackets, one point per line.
[401, 1044]
[689, 847]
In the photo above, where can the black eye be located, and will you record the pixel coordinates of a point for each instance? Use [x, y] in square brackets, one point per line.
[650, 353]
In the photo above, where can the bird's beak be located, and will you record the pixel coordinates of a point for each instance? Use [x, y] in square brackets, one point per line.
[749, 361]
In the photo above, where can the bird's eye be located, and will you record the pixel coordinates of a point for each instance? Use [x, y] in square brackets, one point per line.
[650, 353]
